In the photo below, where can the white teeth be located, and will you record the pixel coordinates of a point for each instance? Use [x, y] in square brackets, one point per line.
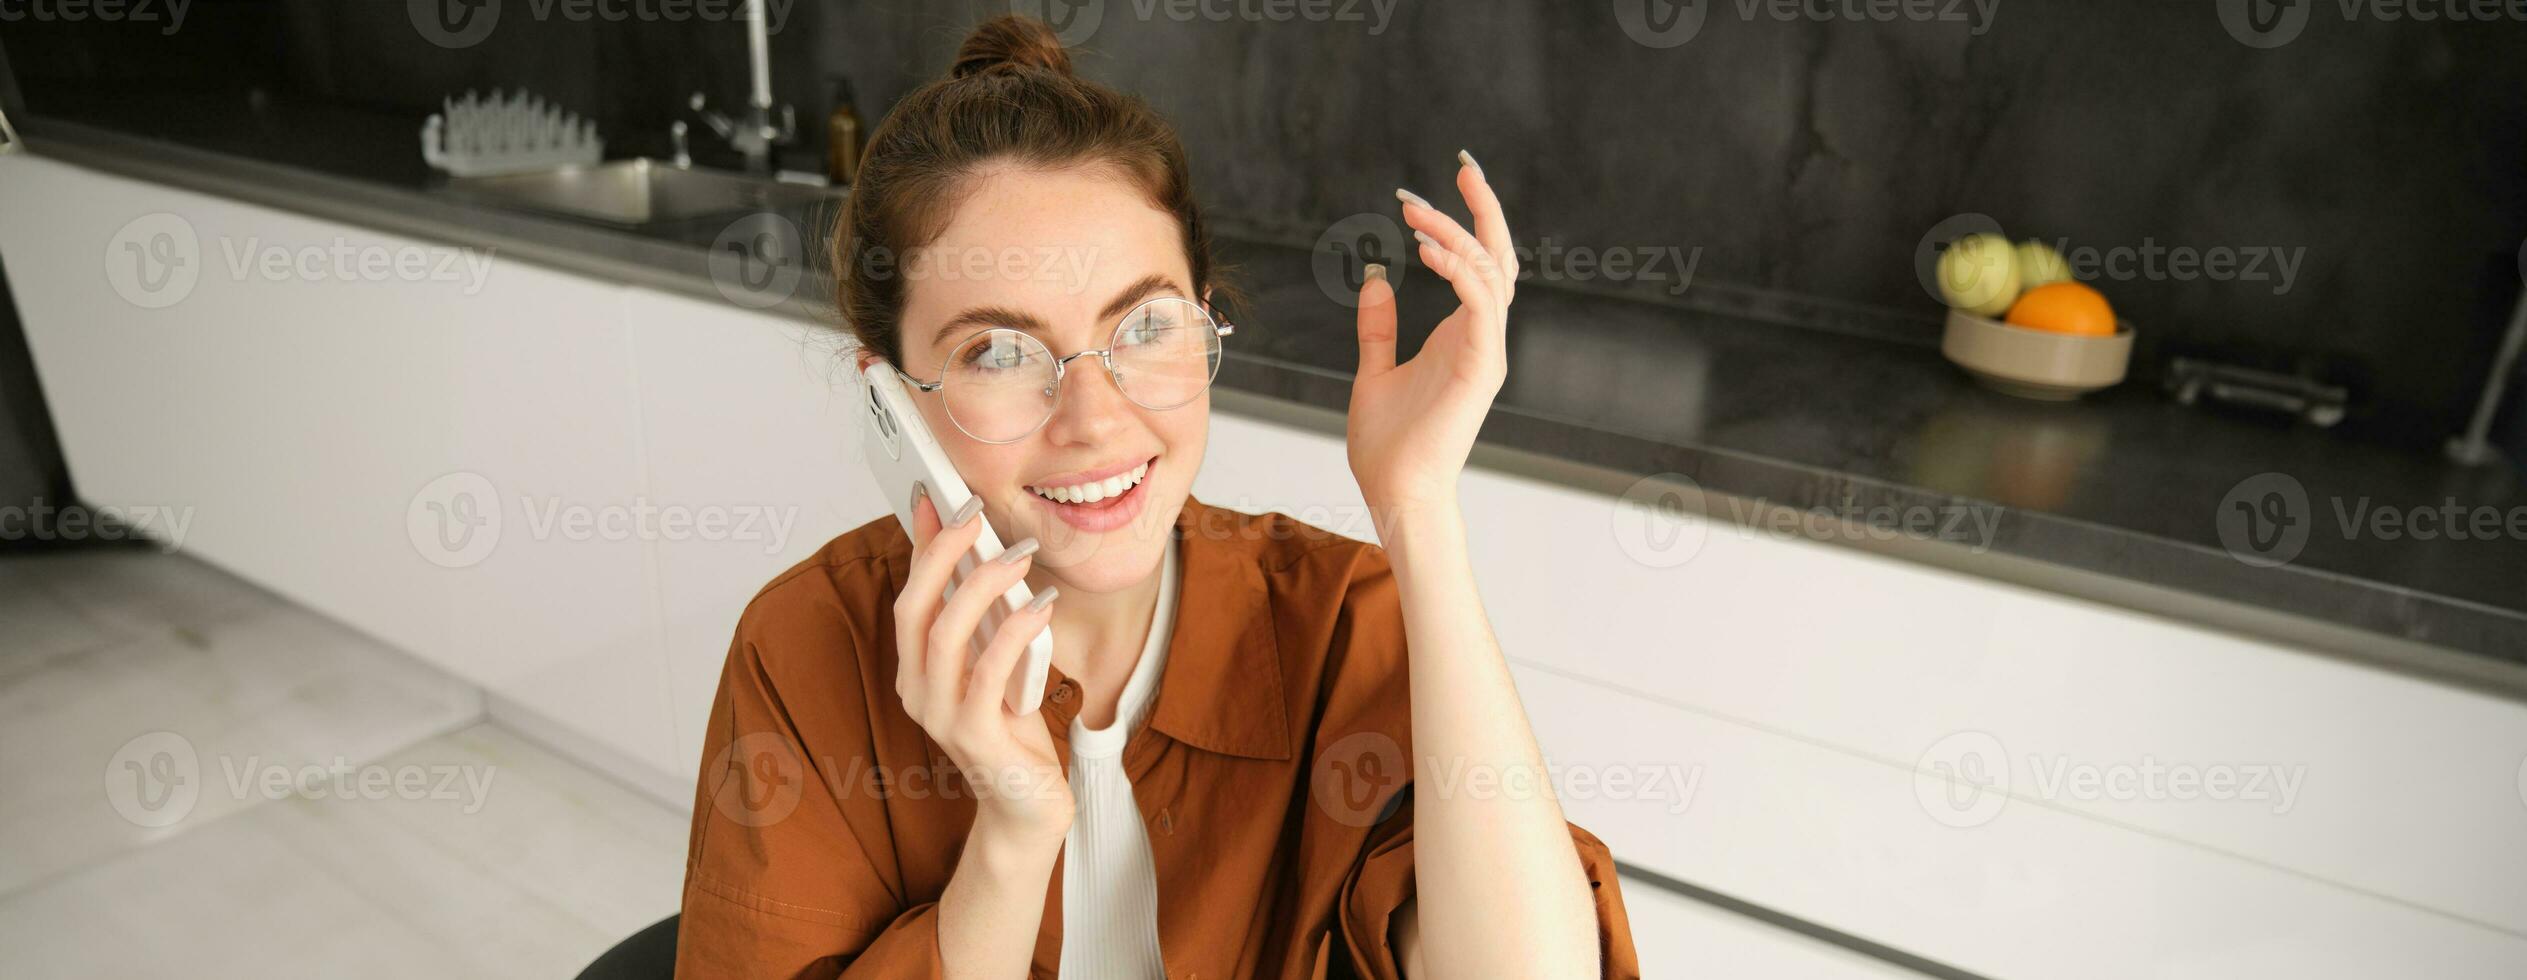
[1089, 493]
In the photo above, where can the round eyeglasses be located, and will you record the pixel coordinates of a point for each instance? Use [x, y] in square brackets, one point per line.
[1001, 385]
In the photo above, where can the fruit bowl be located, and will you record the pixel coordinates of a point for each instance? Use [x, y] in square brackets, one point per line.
[2031, 363]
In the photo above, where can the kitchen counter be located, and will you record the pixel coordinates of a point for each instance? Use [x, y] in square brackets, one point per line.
[1783, 429]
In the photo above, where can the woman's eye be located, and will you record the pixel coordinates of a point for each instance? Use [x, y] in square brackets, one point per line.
[1148, 330]
[993, 355]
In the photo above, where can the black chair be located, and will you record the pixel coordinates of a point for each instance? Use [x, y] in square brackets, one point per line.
[649, 955]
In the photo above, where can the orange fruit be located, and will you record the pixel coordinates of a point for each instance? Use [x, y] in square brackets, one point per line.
[2064, 307]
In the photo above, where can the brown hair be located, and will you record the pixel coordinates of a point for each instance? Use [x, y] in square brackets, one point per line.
[1010, 98]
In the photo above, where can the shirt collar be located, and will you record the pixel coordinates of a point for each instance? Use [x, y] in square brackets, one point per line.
[1221, 687]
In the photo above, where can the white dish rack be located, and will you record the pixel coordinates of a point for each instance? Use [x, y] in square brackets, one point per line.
[477, 136]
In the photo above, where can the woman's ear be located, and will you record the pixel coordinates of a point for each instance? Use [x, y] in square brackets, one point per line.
[860, 361]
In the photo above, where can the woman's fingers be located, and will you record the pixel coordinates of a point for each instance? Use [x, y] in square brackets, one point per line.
[1452, 237]
[951, 634]
[925, 585]
[1476, 292]
[991, 673]
[1377, 323]
[1491, 226]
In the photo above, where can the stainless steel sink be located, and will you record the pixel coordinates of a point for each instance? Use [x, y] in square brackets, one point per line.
[640, 192]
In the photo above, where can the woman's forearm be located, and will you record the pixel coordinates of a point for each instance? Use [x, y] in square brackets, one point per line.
[1490, 843]
[994, 903]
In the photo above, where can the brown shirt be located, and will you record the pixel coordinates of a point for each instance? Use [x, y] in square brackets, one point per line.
[1270, 773]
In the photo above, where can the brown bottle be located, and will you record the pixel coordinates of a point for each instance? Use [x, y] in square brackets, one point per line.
[842, 137]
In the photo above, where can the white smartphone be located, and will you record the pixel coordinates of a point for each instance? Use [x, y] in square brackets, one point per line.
[901, 450]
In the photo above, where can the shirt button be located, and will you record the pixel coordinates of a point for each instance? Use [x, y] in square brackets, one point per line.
[1063, 693]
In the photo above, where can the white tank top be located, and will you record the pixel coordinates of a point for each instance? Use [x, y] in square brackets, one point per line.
[1109, 887]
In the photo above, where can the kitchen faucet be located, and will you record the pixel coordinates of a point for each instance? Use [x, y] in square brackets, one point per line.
[754, 135]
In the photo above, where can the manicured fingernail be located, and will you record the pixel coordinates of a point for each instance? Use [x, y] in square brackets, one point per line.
[973, 506]
[1468, 159]
[1017, 552]
[1426, 239]
[1043, 599]
[921, 492]
[1377, 271]
[1409, 197]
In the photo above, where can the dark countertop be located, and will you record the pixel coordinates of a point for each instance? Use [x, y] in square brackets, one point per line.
[2116, 497]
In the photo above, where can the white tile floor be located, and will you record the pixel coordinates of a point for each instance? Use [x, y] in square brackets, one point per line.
[145, 698]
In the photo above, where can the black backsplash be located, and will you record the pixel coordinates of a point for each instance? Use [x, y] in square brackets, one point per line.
[1803, 158]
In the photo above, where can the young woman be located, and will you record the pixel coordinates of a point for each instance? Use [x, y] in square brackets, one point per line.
[1218, 782]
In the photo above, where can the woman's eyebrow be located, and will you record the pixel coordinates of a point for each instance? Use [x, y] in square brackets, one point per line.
[986, 316]
[1133, 294]
[1002, 316]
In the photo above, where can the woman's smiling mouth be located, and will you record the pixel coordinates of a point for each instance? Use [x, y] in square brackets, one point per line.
[1096, 500]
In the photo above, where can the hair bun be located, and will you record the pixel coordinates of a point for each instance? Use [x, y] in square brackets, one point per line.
[1011, 41]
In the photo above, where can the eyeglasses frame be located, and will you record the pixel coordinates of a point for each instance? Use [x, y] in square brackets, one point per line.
[1220, 326]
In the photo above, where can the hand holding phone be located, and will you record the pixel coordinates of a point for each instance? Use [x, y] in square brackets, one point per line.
[902, 453]
[1008, 760]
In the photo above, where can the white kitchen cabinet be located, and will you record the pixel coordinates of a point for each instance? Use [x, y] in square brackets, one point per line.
[1804, 701]
[406, 456]
[749, 416]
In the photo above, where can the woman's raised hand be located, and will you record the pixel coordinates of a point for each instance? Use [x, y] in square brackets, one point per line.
[1007, 759]
[1413, 425]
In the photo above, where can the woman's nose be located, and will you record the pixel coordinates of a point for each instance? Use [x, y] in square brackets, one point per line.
[1092, 405]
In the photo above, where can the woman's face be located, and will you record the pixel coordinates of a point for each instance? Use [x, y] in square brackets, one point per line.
[1062, 256]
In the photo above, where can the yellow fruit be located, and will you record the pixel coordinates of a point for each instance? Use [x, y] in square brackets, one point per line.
[1979, 274]
[2065, 307]
[2040, 265]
